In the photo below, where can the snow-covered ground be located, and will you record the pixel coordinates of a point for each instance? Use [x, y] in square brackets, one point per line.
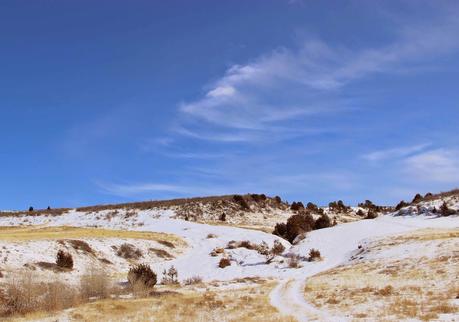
[336, 244]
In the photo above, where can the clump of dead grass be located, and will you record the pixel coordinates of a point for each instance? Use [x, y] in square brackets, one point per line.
[129, 251]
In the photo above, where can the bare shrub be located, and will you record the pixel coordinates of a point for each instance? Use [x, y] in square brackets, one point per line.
[64, 260]
[81, 245]
[209, 236]
[247, 244]
[241, 244]
[224, 262]
[95, 284]
[161, 253]
[386, 291]
[314, 255]
[294, 261]
[141, 277]
[193, 280]
[129, 251]
[276, 250]
[170, 276]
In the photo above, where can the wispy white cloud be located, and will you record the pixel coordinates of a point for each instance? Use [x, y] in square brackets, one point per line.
[288, 85]
[142, 189]
[394, 153]
[440, 165]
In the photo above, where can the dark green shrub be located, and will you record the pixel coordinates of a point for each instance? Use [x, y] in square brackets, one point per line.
[297, 206]
[280, 230]
[298, 224]
[401, 204]
[322, 222]
[417, 198]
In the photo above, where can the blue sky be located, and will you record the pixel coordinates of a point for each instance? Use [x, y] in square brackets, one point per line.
[113, 101]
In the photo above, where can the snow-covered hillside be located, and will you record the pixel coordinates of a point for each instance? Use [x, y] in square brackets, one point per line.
[207, 244]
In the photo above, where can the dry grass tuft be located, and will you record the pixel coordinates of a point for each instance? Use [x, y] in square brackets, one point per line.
[129, 251]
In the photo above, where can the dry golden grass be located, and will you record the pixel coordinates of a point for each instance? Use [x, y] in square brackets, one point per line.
[420, 288]
[29, 233]
[247, 304]
[421, 235]
[26, 295]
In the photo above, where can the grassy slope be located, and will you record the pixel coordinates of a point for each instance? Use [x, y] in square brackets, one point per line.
[30, 233]
[421, 287]
[246, 304]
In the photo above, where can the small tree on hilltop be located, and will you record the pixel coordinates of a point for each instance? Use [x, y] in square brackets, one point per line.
[401, 204]
[297, 206]
[312, 207]
[417, 198]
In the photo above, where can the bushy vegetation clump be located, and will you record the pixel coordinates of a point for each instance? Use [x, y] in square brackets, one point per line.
[298, 224]
[258, 197]
[312, 207]
[417, 198]
[401, 204]
[338, 206]
[280, 229]
[64, 259]
[371, 214]
[301, 223]
[224, 262]
[142, 275]
[314, 255]
[129, 251]
[296, 206]
[322, 222]
[445, 210]
[241, 202]
[276, 250]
